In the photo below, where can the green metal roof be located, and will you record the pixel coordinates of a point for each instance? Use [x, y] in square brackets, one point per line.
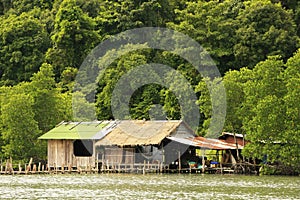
[78, 130]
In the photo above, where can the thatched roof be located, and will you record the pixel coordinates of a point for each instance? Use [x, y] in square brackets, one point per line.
[139, 132]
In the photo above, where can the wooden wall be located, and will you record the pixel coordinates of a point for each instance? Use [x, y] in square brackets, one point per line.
[60, 153]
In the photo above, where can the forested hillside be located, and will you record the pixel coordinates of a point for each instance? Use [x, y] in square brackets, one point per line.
[254, 44]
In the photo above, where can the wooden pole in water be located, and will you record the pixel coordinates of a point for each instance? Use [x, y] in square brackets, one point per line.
[97, 164]
[69, 168]
[39, 167]
[20, 168]
[5, 170]
[63, 168]
[203, 161]
[29, 166]
[179, 162]
[11, 166]
[237, 147]
[107, 166]
[34, 168]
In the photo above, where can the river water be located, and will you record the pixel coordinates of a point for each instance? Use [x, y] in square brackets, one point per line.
[152, 186]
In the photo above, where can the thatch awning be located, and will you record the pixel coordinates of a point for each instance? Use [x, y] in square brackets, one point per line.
[139, 132]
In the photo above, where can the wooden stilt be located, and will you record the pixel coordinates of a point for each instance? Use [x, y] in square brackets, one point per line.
[11, 169]
[29, 166]
[203, 161]
[39, 167]
[179, 162]
[20, 168]
[34, 168]
[69, 168]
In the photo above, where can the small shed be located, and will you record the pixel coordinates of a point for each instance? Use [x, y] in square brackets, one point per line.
[73, 143]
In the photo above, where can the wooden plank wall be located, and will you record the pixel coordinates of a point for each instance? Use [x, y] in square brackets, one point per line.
[60, 153]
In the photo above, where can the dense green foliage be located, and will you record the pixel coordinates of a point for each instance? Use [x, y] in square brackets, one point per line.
[253, 43]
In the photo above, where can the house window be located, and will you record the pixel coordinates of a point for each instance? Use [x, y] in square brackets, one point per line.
[83, 147]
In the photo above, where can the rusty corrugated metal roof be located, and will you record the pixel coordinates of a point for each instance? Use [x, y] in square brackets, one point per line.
[206, 143]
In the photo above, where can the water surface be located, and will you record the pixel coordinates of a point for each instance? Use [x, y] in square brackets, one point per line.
[152, 186]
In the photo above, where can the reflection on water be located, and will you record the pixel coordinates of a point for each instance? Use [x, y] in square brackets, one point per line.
[152, 186]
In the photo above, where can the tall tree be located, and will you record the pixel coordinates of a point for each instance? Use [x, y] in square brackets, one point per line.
[19, 128]
[46, 95]
[22, 46]
[264, 111]
[265, 29]
[291, 151]
[234, 82]
[73, 37]
[212, 24]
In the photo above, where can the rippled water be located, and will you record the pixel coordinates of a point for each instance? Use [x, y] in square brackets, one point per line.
[152, 186]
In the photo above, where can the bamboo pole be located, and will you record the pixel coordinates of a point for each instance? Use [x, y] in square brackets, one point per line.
[203, 161]
[34, 168]
[29, 166]
[20, 168]
[144, 166]
[179, 162]
[237, 147]
[11, 166]
[69, 168]
[39, 167]
[6, 166]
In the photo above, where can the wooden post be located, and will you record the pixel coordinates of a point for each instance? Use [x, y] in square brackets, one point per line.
[34, 168]
[55, 166]
[221, 167]
[11, 166]
[69, 168]
[243, 146]
[144, 166]
[39, 167]
[237, 147]
[20, 168]
[179, 162]
[103, 163]
[97, 165]
[6, 166]
[107, 166]
[203, 160]
[163, 155]
[29, 166]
